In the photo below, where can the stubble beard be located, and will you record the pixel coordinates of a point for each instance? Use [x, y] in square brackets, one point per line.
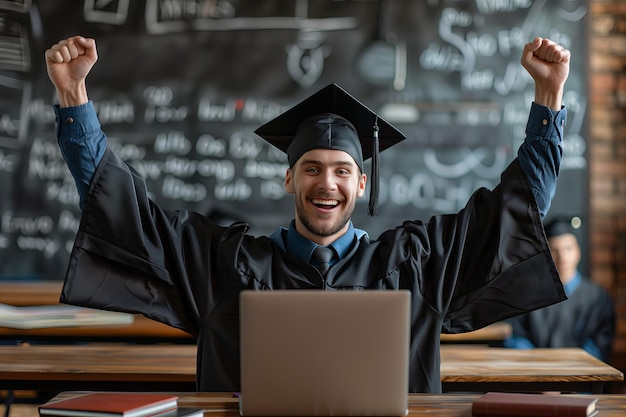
[319, 231]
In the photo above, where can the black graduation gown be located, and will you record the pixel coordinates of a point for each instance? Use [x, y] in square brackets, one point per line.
[588, 314]
[487, 263]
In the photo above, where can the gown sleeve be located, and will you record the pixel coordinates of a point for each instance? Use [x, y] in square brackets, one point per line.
[491, 261]
[130, 255]
[492, 258]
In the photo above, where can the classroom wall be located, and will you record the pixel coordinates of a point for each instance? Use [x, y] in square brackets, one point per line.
[607, 159]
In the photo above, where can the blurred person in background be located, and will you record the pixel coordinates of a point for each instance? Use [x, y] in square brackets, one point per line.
[586, 319]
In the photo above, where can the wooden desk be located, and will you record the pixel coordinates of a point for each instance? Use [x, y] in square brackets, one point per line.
[47, 292]
[435, 405]
[173, 367]
[494, 334]
[30, 293]
[468, 368]
[159, 367]
[150, 331]
[142, 330]
[145, 330]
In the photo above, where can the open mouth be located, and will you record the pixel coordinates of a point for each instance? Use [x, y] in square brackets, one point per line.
[324, 203]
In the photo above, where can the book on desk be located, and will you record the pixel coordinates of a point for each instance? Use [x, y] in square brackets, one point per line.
[58, 315]
[118, 404]
[508, 404]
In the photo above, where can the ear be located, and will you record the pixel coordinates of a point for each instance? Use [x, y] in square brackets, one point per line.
[288, 181]
[361, 189]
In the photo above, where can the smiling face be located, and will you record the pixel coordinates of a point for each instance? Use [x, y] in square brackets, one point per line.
[325, 184]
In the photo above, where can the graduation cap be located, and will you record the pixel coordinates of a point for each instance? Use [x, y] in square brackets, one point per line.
[333, 119]
[561, 226]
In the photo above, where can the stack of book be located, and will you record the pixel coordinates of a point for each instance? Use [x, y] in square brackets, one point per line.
[60, 315]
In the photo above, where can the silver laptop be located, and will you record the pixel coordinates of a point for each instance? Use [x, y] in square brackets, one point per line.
[324, 353]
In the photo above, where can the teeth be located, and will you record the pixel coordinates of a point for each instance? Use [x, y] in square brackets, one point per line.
[325, 202]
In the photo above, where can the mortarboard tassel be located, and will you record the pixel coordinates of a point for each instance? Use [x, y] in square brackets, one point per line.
[373, 203]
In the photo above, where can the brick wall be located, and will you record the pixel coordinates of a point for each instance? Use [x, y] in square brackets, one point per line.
[607, 159]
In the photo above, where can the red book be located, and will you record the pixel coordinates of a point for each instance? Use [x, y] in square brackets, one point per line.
[505, 404]
[111, 404]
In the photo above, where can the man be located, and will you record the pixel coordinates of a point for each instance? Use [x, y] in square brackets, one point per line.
[586, 319]
[487, 263]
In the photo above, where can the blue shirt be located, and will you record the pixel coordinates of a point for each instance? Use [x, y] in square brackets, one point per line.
[572, 284]
[302, 247]
[82, 143]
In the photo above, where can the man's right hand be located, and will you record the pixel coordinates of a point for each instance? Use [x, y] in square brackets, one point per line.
[68, 62]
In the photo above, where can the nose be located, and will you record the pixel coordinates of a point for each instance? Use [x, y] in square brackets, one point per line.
[327, 180]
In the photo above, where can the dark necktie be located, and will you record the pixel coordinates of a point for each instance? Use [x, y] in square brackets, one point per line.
[322, 256]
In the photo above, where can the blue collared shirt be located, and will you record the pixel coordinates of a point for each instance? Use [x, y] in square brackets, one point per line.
[303, 248]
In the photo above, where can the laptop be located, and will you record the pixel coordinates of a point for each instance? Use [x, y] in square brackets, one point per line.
[324, 353]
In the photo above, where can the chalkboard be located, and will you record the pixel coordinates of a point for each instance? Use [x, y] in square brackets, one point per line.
[181, 85]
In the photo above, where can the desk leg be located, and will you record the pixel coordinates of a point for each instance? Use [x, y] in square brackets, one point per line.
[8, 402]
